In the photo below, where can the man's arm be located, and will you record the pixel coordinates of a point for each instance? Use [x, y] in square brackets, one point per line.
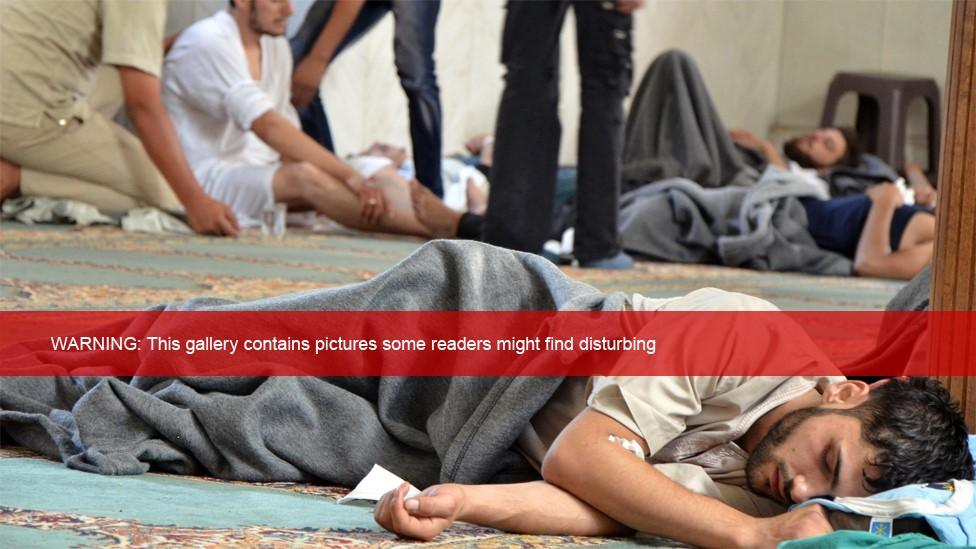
[527, 508]
[611, 479]
[925, 193]
[309, 72]
[293, 144]
[747, 139]
[594, 487]
[144, 105]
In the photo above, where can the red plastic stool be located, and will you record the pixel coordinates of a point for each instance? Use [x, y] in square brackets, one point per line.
[882, 111]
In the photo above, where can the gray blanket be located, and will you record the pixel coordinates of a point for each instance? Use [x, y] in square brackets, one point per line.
[674, 130]
[427, 430]
[762, 227]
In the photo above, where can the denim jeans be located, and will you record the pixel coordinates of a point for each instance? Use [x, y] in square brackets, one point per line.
[413, 50]
[528, 129]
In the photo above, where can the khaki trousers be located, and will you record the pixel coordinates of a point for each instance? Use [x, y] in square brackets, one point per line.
[88, 157]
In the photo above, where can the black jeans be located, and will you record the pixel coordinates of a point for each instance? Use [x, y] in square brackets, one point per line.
[528, 130]
[413, 50]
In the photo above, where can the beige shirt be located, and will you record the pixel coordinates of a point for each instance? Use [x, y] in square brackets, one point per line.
[51, 49]
[688, 423]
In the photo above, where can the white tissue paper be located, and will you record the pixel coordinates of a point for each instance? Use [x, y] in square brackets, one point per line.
[378, 482]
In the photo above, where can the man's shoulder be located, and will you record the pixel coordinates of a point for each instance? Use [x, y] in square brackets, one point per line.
[212, 33]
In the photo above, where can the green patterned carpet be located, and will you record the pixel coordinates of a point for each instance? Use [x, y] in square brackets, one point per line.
[43, 504]
[105, 268]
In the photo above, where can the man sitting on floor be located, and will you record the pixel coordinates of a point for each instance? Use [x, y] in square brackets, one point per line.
[227, 83]
[716, 458]
[54, 143]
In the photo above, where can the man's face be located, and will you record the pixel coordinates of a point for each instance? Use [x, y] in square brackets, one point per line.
[823, 148]
[270, 16]
[811, 452]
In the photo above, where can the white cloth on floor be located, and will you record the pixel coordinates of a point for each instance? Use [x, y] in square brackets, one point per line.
[41, 209]
[213, 100]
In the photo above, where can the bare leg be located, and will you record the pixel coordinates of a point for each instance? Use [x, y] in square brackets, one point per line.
[9, 180]
[301, 184]
[874, 257]
[441, 221]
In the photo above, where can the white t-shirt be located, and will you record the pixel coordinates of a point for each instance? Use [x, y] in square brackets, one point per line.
[689, 423]
[213, 100]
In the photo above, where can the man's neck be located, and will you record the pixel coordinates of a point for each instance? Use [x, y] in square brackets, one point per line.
[761, 427]
[250, 38]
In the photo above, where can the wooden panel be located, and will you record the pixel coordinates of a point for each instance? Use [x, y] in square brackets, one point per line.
[954, 261]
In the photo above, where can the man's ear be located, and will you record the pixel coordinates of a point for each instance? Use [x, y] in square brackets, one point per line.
[851, 392]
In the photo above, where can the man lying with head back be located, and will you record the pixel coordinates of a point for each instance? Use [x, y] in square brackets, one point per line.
[709, 460]
[715, 451]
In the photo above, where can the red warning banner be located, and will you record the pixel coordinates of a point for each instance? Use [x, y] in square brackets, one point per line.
[483, 343]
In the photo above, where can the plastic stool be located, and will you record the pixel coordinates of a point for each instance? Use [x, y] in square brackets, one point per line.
[882, 111]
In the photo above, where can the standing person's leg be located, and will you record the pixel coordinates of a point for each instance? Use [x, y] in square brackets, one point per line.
[315, 123]
[413, 49]
[527, 132]
[604, 46]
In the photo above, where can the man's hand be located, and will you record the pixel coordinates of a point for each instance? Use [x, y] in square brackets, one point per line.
[925, 193]
[885, 194]
[207, 216]
[372, 201]
[805, 522]
[747, 139]
[628, 7]
[306, 80]
[423, 516]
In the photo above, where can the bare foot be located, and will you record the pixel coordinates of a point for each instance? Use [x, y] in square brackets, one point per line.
[432, 213]
[9, 179]
[477, 199]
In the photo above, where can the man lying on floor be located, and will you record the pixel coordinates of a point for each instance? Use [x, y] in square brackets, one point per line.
[694, 194]
[713, 460]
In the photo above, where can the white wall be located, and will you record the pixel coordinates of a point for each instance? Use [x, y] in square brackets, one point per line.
[823, 37]
[734, 40]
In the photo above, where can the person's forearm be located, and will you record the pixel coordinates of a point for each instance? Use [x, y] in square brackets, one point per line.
[291, 143]
[155, 129]
[773, 156]
[634, 493]
[876, 236]
[535, 508]
[916, 177]
[344, 13]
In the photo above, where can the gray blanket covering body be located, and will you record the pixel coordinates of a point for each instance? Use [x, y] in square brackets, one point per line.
[761, 227]
[332, 430]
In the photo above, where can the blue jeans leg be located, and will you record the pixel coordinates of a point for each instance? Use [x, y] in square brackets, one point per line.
[413, 49]
[315, 123]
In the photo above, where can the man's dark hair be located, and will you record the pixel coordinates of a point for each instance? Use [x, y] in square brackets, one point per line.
[918, 431]
[232, 4]
[851, 158]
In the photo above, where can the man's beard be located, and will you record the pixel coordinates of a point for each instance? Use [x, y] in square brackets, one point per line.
[255, 24]
[792, 151]
[763, 453]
